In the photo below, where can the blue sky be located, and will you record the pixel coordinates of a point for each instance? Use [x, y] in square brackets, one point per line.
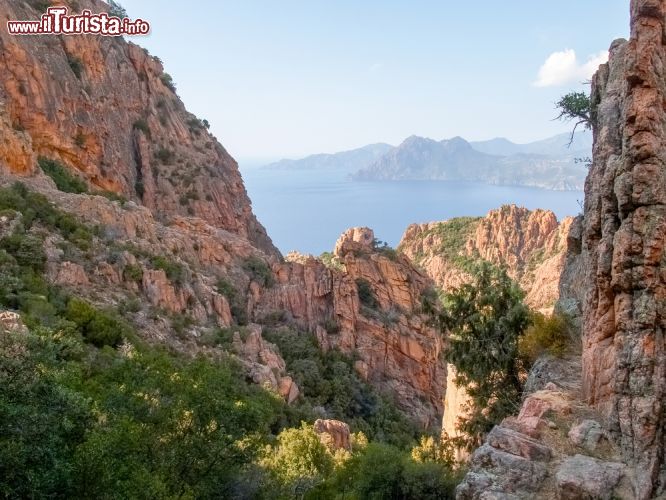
[290, 78]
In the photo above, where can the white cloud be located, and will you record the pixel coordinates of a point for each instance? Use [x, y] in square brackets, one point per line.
[375, 67]
[563, 67]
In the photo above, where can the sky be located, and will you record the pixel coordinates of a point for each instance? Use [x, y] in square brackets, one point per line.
[284, 79]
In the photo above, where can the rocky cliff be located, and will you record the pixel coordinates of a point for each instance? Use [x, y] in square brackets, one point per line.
[106, 109]
[624, 235]
[615, 269]
[176, 247]
[368, 302]
[530, 244]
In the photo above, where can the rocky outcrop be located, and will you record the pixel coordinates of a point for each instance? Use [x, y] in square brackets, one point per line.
[370, 306]
[101, 106]
[333, 434]
[11, 322]
[531, 244]
[624, 235]
[614, 276]
[554, 448]
[264, 363]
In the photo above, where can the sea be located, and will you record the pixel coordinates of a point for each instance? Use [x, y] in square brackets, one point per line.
[307, 210]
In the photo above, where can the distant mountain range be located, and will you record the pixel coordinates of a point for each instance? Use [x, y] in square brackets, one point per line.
[548, 164]
[349, 161]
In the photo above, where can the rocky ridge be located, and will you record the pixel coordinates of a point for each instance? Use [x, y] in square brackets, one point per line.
[614, 274]
[106, 109]
[369, 303]
[530, 244]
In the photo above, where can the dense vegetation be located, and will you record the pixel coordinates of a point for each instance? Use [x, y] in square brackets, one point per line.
[89, 410]
[486, 318]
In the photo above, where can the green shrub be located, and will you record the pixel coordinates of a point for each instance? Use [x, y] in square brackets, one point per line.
[142, 125]
[175, 271]
[545, 335]
[454, 234]
[100, 328]
[80, 140]
[226, 288]
[117, 10]
[181, 323]
[331, 261]
[133, 273]
[195, 125]
[76, 66]
[365, 294]
[139, 188]
[64, 180]
[110, 195]
[164, 155]
[28, 250]
[168, 82]
[259, 271]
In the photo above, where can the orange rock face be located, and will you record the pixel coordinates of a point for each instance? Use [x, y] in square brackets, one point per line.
[397, 347]
[624, 235]
[116, 124]
[334, 434]
[531, 244]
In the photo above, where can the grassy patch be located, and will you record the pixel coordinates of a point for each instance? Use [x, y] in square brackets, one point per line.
[63, 178]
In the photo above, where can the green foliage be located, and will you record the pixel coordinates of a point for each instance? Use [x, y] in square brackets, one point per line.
[139, 188]
[41, 422]
[142, 125]
[365, 294]
[181, 323]
[100, 328]
[575, 106]
[110, 195]
[259, 271]
[383, 248]
[545, 335]
[383, 472]
[454, 234]
[486, 318]
[195, 125]
[298, 461]
[133, 272]
[117, 10]
[235, 298]
[76, 66]
[331, 261]
[175, 271]
[81, 422]
[26, 249]
[430, 301]
[164, 155]
[329, 380]
[167, 80]
[64, 180]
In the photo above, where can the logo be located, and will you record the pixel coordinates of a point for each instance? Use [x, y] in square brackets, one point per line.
[58, 21]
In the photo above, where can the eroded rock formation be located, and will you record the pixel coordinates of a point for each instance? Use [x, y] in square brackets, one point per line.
[624, 233]
[615, 271]
[104, 108]
[397, 346]
[531, 244]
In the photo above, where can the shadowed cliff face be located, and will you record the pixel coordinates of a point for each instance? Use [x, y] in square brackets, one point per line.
[117, 124]
[624, 233]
